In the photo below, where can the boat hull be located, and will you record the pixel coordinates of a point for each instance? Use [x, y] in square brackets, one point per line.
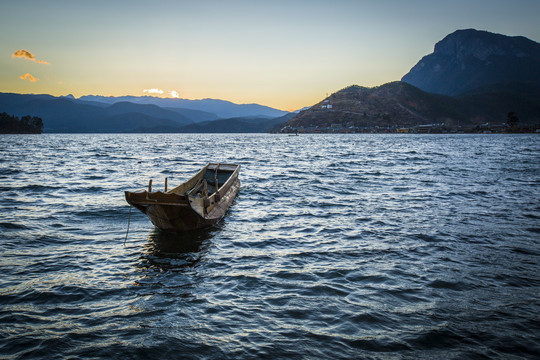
[182, 212]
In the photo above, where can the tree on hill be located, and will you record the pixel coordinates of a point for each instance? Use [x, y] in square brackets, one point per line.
[10, 124]
[512, 119]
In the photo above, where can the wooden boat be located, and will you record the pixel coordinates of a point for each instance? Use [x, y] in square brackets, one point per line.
[199, 202]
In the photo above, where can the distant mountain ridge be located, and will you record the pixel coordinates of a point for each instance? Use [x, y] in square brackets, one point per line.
[238, 125]
[221, 108]
[63, 114]
[105, 114]
[469, 59]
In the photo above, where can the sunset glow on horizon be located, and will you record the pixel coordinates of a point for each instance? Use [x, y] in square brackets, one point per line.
[284, 54]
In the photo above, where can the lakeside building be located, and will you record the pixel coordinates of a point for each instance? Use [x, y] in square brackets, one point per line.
[437, 128]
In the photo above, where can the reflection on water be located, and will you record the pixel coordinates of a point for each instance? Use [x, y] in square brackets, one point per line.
[171, 265]
[168, 251]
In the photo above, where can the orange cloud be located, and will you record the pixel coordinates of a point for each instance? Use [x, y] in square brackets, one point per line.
[28, 77]
[28, 56]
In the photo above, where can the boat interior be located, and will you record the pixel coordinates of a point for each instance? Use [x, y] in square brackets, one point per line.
[208, 183]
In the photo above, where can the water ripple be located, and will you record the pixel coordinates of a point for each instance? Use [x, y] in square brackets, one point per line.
[338, 246]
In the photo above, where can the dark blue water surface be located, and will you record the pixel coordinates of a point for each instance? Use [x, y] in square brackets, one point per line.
[337, 246]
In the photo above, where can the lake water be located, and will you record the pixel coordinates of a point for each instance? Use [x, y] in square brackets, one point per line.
[337, 246]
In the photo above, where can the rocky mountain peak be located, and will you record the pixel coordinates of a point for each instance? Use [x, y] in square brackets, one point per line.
[469, 59]
[482, 44]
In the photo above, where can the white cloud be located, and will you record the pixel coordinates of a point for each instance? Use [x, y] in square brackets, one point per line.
[153, 91]
[174, 94]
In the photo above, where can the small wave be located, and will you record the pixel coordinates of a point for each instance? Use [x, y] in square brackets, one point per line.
[479, 193]
[57, 294]
[401, 189]
[12, 226]
[377, 345]
[104, 213]
[6, 171]
[357, 277]
[289, 275]
[438, 338]
[94, 189]
[324, 290]
[414, 159]
[95, 177]
[534, 230]
[57, 225]
[370, 318]
[522, 282]
[425, 237]
[525, 251]
[451, 285]
[99, 155]
[38, 188]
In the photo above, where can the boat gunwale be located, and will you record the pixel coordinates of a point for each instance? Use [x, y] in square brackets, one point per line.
[143, 197]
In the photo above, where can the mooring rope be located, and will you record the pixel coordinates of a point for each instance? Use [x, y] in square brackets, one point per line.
[129, 219]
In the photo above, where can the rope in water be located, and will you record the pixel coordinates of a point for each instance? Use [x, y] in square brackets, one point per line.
[129, 219]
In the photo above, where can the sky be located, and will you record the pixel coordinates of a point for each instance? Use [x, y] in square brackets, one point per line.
[284, 54]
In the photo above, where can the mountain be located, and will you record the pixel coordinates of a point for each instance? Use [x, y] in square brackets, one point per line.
[468, 59]
[150, 110]
[194, 115]
[395, 103]
[471, 78]
[399, 104]
[63, 114]
[67, 114]
[220, 108]
[238, 125]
